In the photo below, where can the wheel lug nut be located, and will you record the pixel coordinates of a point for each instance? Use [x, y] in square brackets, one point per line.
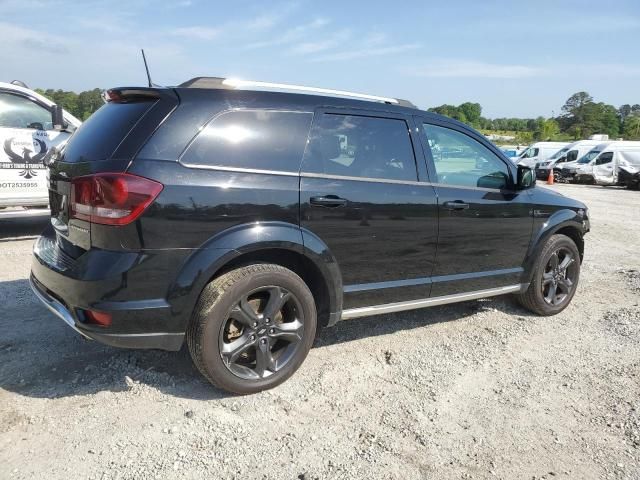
[267, 320]
[272, 331]
[263, 341]
[254, 324]
[252, 337]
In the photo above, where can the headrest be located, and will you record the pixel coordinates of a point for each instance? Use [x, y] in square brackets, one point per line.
[326, 147]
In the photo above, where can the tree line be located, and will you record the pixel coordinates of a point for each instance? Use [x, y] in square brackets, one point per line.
[581, 117]
[80, 105]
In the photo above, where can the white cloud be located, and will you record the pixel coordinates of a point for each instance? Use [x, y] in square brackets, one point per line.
[291, 35]
[14, 39]
[330, 41]
[367, 52]
[196, 32]
[474, 69]
[608, 70]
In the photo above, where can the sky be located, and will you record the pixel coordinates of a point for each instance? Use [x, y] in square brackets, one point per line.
[516, 58]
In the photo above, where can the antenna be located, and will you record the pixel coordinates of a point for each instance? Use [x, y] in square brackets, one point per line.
[146, 67]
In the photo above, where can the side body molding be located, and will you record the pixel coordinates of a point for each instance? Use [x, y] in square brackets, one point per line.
[230, 244]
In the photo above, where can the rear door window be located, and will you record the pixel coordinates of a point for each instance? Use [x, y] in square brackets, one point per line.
[252, 139]
[361, 146]
[100, 135]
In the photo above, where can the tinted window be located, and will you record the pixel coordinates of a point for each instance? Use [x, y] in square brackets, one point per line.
[604, 158]
[572, 155]
[100, 135]
[20, 112]
[358, 146]
[259, 139]
[461, 160]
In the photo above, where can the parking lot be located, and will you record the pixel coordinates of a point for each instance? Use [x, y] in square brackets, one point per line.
[481, 389]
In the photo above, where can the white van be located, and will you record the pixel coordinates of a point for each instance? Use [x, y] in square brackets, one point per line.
[568, 154]
[538, 152]
[27, 135]
[582, 169]
[605, 168]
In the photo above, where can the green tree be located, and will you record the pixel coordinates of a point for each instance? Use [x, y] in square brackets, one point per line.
[548, 129]
[88, 102]
[472, 112]
[632, 126]
[80, 105]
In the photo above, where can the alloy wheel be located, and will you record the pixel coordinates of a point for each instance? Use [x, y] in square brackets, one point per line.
[559, 277]
[262, 333]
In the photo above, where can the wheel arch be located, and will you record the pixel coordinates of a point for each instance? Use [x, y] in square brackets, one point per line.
[261, 242]
[565, 222]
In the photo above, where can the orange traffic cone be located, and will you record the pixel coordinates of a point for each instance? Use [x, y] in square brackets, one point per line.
[550, 177]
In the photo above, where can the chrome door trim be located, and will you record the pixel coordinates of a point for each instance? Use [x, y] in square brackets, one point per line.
[429, 302]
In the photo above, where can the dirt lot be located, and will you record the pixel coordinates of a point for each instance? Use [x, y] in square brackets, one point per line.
[476, 390]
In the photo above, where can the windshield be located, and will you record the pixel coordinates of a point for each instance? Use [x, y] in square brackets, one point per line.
[587, 157]
[559, 153]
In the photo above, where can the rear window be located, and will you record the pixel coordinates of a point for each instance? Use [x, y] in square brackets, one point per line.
[100, 135]
[253, 139]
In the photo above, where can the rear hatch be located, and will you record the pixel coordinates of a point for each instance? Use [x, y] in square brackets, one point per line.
[107, 142]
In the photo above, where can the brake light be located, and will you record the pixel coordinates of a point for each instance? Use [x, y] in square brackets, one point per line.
[111, 198]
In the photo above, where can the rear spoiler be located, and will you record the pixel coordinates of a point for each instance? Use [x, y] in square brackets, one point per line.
[131, 94]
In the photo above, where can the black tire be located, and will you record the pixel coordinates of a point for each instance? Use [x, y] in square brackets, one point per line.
[539, 297]
[229, 297]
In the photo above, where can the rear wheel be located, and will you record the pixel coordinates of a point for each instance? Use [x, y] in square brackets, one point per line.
[555, 277]
[252, 328]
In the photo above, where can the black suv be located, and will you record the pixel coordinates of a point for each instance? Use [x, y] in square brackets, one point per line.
[244, 219]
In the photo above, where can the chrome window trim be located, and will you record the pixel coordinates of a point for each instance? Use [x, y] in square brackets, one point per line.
[328, 176]
[240, 170]
[429, 302]
[482, 189]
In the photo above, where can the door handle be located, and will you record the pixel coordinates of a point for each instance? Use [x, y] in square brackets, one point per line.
[455, 205]
[328, 201]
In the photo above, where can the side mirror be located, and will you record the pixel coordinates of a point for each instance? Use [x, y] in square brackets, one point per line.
[526, 177]
[57, 117]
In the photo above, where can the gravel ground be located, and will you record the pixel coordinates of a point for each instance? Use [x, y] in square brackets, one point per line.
[481, 389]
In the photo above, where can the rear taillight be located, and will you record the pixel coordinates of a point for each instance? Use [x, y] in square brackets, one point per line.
[111, 198]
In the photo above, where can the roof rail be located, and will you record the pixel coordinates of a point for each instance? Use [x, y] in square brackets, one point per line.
[237, 84]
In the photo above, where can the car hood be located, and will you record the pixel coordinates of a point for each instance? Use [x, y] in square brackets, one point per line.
[546, 196]
[548, 191]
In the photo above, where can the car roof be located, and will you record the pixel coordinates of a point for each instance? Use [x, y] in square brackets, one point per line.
[309, 101]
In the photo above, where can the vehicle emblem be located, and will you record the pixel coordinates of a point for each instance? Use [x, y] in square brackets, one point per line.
[28, 160]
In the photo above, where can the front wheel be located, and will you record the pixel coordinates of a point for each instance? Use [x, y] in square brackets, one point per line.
[555, 277]
[252, 328]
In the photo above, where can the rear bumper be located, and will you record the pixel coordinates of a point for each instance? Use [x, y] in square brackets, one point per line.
[157, 340]
[123, 284]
